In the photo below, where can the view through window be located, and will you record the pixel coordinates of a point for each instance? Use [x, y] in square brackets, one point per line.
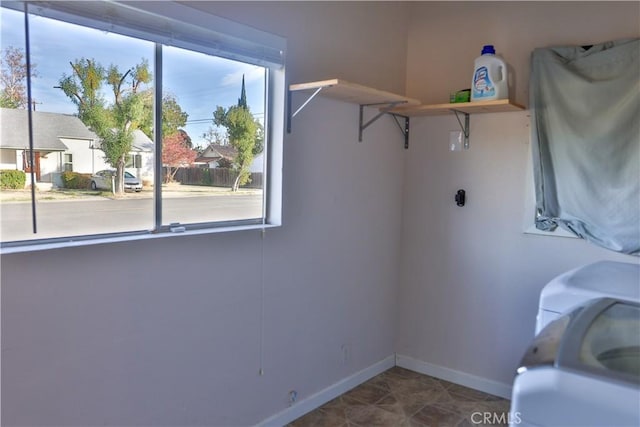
[97, 162]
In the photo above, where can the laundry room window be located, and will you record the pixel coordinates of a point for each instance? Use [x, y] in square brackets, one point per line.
[158, 120]
[586, 155]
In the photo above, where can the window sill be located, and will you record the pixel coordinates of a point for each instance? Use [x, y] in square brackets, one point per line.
[128, 238]
[559, 232]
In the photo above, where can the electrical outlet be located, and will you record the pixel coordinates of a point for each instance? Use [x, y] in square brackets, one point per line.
[293, 396]
[455, 140]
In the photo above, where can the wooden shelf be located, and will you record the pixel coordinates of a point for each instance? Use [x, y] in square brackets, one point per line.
[466, 108]
[354, 93]
[495, 106]
[393, 104]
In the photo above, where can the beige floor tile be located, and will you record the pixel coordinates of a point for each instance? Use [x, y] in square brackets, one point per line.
[367, 393]
[459, 392]
[370, 416]
[319, 418]
[403, 398]
[435, 416]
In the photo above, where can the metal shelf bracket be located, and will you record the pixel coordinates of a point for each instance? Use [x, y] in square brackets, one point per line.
[387, 107]
[291, 115]
[385, 110]
[464, 128]
[404, 129]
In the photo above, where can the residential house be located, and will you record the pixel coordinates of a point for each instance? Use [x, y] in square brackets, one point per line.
[374, 264]
[211, 156]
[62, 143]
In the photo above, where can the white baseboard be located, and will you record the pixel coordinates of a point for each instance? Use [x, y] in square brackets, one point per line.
[458, 377]
[320, 398]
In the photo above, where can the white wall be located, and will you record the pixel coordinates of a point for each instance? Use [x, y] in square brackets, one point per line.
[168, 331]
[49, 164]
[8, 159]
[361, 43]
[445, 38]
[470, 277]
[85, 159]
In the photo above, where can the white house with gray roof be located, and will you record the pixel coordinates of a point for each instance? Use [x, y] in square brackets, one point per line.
[61, 142]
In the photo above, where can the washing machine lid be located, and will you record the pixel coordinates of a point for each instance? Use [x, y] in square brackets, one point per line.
[600, 338]
[604, 340]
[620, 280]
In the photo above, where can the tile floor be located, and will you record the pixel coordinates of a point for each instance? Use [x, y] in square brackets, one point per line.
[403, 398]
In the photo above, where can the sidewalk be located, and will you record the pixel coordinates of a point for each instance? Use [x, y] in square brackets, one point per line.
[172, 190]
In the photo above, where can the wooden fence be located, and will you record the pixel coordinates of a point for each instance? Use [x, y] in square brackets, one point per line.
[217, 177]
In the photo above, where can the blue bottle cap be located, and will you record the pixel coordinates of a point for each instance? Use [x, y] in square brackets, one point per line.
[488, 50]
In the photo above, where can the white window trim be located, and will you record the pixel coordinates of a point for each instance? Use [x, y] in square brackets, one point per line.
[43, 245]
[174, 24]
[65, 162]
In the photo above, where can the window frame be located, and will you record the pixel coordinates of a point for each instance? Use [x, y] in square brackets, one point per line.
[67, 165]
[191, 30]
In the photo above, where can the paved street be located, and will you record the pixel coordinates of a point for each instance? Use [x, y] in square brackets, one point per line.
[101, 215]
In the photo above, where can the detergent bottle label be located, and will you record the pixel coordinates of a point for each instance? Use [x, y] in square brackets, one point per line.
[482, 85]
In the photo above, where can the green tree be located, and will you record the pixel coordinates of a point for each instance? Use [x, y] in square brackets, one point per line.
[13, 78]
[244, 133]
[173, 118]
[113, 123]
[83, 88]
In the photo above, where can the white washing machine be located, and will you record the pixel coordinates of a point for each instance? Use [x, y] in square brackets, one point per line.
[599, 280]
[583, 367]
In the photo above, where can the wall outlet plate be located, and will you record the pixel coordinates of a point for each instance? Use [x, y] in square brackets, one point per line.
[456, 140]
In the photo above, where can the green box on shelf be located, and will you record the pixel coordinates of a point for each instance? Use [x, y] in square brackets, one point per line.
[461, 96]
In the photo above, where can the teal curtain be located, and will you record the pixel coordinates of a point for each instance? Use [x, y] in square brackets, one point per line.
[585, 105]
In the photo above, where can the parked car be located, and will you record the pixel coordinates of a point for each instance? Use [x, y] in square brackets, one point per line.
[102, 180]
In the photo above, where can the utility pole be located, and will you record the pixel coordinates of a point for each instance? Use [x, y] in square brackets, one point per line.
[33, 104]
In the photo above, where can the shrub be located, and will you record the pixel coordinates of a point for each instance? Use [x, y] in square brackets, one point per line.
[225, 163]
[12, 179]
[206, 177]
[75, 180]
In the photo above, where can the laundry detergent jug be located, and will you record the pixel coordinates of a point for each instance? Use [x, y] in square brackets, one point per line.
[489, 77]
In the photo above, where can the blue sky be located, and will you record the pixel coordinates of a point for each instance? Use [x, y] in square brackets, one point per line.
[199, 82]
